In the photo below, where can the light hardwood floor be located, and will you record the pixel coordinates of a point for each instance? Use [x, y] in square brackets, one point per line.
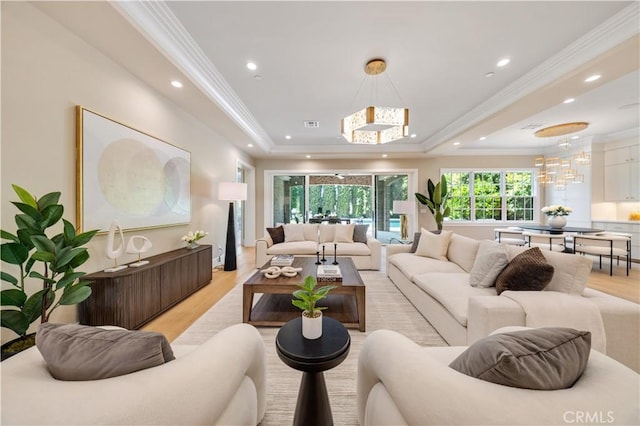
[173, 322]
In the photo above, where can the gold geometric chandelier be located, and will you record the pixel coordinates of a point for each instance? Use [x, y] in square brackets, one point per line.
[555, 170]
[376, 125]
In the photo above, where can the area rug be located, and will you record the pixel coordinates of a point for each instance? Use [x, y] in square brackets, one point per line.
[387, 308]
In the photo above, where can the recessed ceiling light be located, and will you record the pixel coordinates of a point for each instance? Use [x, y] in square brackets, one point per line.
[413, 135]
[308, 156]
[257, 77]
[482, 138]
[384, 155]
[252, 66]
[592, 78]
[176, 83]
[250, 145]
[489, 74]
[503, 62]
[568, 101]
[456, 143]
[287, 137]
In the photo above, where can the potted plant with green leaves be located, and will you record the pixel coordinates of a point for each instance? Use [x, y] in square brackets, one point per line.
[305, 298]
[436, 200]
[33, 254]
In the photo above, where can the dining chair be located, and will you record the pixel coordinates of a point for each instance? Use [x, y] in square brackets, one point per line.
[551, 242]
[607, 244]
[511, 235]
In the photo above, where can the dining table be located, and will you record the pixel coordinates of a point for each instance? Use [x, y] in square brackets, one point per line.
[550, 230]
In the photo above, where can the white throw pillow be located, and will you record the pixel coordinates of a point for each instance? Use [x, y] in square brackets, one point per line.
[492, 258]
[293, 232]
[434, 245]
[310, 231]
[343, 233]
[327, 232]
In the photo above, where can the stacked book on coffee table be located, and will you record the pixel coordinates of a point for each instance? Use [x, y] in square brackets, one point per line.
[282, 260]
[328, 274]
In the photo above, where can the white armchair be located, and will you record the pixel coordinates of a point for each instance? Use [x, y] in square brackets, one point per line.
[220, 382]
[402, 383]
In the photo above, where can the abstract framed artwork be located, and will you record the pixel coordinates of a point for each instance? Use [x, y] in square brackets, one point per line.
[128, 175]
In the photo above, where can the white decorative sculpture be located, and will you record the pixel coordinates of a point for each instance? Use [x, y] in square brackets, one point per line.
[115, 253]
[131, 248]
[276, 271]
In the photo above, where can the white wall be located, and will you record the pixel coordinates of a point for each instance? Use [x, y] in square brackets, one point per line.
[427, 168]
[46, 72]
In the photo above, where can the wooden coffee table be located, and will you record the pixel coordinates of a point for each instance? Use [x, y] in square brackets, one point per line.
[347, 303]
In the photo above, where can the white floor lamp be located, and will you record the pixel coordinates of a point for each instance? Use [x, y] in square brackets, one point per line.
[231, 191]
[403, 208]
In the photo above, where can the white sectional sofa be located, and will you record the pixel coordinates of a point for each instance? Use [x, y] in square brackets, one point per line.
[462, 314]
[307, 239]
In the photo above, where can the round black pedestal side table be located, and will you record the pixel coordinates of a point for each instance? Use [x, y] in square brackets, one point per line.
[312, 357]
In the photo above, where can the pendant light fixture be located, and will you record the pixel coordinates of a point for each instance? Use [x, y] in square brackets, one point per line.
[559, 171]
[375, 124]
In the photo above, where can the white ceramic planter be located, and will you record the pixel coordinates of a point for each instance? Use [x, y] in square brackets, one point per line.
[557, 221]
[312, 327]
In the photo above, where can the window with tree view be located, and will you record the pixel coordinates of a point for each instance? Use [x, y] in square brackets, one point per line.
[490, 195]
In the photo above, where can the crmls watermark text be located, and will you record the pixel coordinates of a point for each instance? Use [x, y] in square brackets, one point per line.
[588, 417]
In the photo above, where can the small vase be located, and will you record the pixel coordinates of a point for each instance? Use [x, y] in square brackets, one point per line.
[192, 245]
[557, 221]
[311, 327]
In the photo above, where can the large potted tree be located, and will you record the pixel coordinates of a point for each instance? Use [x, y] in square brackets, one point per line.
[34, 254]
[436, 200]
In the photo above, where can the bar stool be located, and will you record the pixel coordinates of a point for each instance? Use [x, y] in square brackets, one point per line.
[608, 244]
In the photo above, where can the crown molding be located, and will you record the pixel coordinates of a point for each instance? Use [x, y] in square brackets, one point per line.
[155, 21]
[617, 29]
[159, 25]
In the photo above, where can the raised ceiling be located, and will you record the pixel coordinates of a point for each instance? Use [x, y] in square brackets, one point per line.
[310, 58]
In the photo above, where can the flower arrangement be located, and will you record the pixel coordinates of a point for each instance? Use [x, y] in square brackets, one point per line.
[557, 210]
[192, 236]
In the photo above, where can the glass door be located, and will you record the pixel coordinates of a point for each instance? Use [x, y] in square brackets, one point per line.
[389, 188]
[340, 198]
[288, 199]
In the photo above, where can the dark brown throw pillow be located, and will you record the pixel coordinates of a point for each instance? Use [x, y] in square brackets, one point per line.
[276, 234]
[79, 352]
[546, 358]
[528, 271]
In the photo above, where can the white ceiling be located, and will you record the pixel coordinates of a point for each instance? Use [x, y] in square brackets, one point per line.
[310, 57]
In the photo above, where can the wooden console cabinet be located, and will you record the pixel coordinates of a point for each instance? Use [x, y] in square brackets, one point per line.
[132, 297]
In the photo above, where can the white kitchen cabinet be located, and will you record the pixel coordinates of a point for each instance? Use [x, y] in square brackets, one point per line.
[631, 228]
[622, 174]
